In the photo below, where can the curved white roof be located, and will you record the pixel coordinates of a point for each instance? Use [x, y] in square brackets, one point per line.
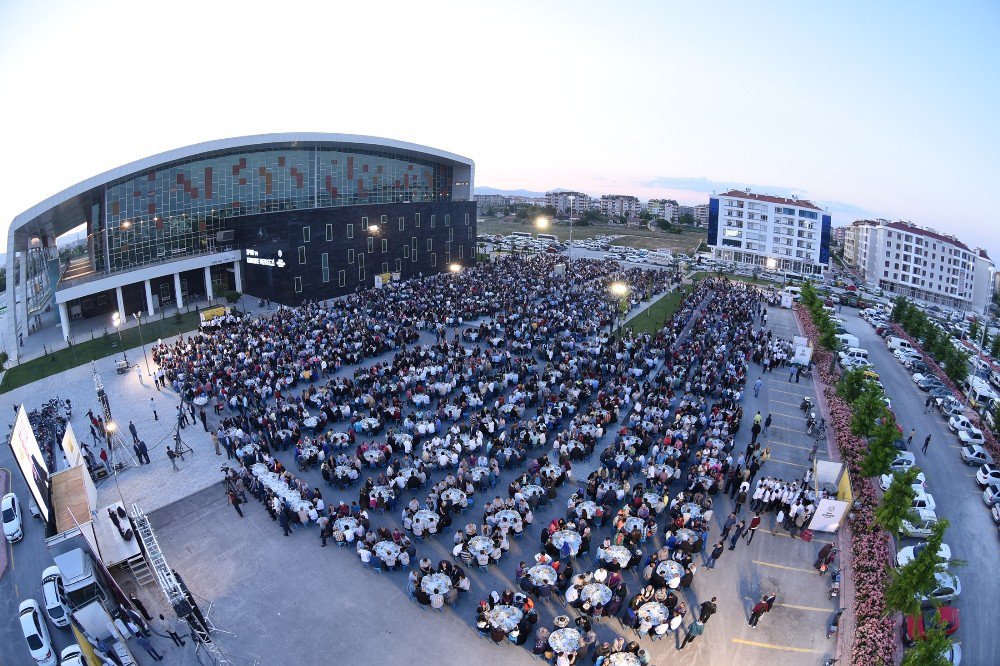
[67, 209]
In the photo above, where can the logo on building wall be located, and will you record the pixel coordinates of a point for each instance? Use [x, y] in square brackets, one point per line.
[253, 257]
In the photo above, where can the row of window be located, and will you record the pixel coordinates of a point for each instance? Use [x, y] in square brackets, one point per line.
[307, 231]
[342, 274]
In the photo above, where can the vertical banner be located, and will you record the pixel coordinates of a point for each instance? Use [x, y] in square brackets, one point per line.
[30, 461]
[71, 447]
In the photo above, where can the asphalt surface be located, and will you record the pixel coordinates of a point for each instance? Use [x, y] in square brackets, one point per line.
[972, 534]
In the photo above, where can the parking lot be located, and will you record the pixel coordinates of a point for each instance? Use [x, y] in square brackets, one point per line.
[972, 535]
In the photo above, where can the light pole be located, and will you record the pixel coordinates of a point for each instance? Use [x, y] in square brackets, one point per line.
[117, 321]
[620, 290]
[138, 319]
[571, 200]
[455, 268]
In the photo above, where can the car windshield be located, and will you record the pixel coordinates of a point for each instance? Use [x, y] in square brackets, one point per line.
[55, 611]
[8, 515]
[34, 642]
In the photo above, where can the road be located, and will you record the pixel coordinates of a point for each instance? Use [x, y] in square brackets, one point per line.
[972, 535]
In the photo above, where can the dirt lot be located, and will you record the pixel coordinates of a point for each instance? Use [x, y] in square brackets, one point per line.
[637, 237]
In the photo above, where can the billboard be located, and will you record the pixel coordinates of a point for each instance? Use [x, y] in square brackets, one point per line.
[828, 515]
[31, 461]
[71, 447]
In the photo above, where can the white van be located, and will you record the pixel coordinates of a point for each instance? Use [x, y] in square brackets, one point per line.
[853, 353]
[894, 343]
[847, 340]
[794, 291]
[980, 393]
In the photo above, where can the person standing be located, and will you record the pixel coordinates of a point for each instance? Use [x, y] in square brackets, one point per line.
[141, 452]
[927, 442]
[708, 609]
[756, 387]
[737, 533]
[215, 442]
[730, 521]
[715, 555]
[235, 501]
[928, 403]
[694, 631]
[169, 627]
[791, 374]
[152, 405]
[144, 642]
[135, 433]
[767, 425]
[139, 606]
[762, 606]
[754, 432]
[909, 440]
[754, 524]
[204, 422]
[104, 460]
[824, 552]
[283, 520]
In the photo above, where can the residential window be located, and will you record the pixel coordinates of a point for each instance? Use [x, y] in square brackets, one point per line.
[342, 278]
[329, 232]
[466, 219]
[350, 255]
[416, 219]
[461, 252]
[434, 259]
[447, 219]
[371, 244]
[364, 223]
[413, 248]
[433, 220]
[306, 233]
[402, 223]
[350, 231]
[361, 261]
[451, 235]
[302, 254]
[385, 245]
[383, 221]
[430, 245]
[325, 263]
[385, 266]
[399, 265]
[298, 284]
[406, 252]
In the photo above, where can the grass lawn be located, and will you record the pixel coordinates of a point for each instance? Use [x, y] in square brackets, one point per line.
[101, 346]
[652, 319]
[637, 237]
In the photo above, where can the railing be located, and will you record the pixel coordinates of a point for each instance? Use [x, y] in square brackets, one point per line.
[97, 275]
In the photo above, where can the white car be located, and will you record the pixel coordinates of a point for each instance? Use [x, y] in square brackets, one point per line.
[976, 455]
[72, 655]
[904, 461]
[919, 524]
[987, 475]
[906, 555]
[923, 500]
[54, 596]
[957, 423]
[948, 589]
[886, 480]
[918, 377]
[971, 436]
[36, 633]
[11, 508]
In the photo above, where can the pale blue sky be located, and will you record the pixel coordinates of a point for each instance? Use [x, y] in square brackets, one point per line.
[886, 109]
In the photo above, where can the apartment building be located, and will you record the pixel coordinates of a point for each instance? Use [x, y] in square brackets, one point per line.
[619, 204]
[773, 232]
[665, 208]
[921, 263]
[701, 215]
[568, 203]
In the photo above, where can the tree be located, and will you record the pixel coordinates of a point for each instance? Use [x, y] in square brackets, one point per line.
[589, 217]
[645, 216]
[899, 307]
[867, 410]
[686, 219]
[974, 330]
[931, 649]
[851, 384]
[897, 501]
[664, 224]
[995, 346]
[956, 365]
[808, 294]
[909, 583]
[880, 452]
[932, 337]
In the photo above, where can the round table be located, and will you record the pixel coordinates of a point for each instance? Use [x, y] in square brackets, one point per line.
[346, 524]
[508, 518]
[635, 523]
[622, 659]
[384, 491]
[480, 545]
[425, 518]
[654, 612]
[669, 569]
[532, 490]
[504, 617]
[455, 496]
[373, 456]
[550, 471]
[386, 548]
[479, 472]
[565, 640]
[586, 509]
[596, 593]
[653, 500]
[619, 554]
[542, 574]
[201, 400]
[684, 534]
[438, 583]
[569, 537]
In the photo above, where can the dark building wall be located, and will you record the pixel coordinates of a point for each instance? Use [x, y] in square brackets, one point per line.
[340, 233]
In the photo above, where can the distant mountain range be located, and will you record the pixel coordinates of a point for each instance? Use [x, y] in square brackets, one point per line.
[509, 193]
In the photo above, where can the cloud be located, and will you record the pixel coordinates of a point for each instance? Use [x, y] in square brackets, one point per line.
[703, 184]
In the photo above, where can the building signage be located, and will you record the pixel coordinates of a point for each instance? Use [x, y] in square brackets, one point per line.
[253, 257]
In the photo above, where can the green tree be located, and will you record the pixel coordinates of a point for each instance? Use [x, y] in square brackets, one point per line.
[956, 365]
[932, 337]
[930, 650]
[995, 346]
[589, 217]
[664, 224]
[808, 295]
[686, 219]
[646, 216]
[880, 453]
[897, 501]
[974, 330]
[908, 583]
[851, 384]
[867, 410]
[899, 308]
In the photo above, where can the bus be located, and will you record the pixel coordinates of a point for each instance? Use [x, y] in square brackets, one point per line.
[521, 234]
[548, 238]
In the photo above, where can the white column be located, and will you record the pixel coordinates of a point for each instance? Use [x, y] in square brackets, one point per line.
[239, 276]
[208, 283]
[121, 304]
[149, 297]
[64, 319]
[177, 290]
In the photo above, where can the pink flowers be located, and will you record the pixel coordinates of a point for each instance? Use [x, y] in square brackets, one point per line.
[871, 555]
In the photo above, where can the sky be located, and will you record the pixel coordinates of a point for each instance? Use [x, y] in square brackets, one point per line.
[884, 109]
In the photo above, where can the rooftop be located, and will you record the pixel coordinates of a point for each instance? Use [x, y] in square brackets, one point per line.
[742, 194]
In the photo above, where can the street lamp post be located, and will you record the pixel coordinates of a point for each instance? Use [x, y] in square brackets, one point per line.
[620, 290]
[138, 319]
[117, 321]
[571, 200]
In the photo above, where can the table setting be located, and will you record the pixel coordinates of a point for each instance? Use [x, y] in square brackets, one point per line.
[565, 640]
[346, 524]
[542, 574]
[669, 569]
[596, 593]
[425, 518]
[480, 545]
[654, 612]
[508, 518]
[586, 509]
[386, 549]
[504, 617]
[436, 583]
[531, 490]
[619, 554]
[569, 537]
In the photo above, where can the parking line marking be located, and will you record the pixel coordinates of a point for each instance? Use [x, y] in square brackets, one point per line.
[785, 462]
[782, 566]
[787, 393]
[798, 432]
[782, 534]
[803, 448]
[806, 608]
[769, 646]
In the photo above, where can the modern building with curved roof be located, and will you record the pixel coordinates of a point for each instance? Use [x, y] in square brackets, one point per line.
[287, 217]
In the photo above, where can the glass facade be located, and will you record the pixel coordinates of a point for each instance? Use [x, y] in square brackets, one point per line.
[181, 208]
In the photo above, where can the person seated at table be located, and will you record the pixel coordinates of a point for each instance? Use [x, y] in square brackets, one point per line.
[615, 605]
[422, 597]
[364, 554]
[426, 566]
[573, 596]
[669, 599]
[397, 536]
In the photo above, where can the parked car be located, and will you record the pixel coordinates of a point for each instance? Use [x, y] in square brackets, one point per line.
[12, 526]
[951, 407]
[886, 480]
[988, 474]
[36, 633]
[923, 499]
[972, 436]
[906, 555]
[919, 523]
[904, 460]
[941, 393]
[914, 625]
[974, 454]
[948, 589]
[957, 423]
[54, 596]
[917, 366]
[995, 513]
[72, 655]
[991, 495]
[929, 383]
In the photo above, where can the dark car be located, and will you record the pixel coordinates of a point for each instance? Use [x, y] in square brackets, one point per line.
[914, 625]
[928, 383]
[941, 392]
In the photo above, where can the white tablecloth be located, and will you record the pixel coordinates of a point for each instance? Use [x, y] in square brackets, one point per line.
[542, 573]
[425, 518]
[654, 612]
[346, 523]
[596, 593]
[619, 554]
[480, 545]
[438, 583]
[568, 537]
[386, 548]
[504, 617]
[565, 640]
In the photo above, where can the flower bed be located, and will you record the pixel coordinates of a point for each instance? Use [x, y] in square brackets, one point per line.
[871, 554]
[990, 442]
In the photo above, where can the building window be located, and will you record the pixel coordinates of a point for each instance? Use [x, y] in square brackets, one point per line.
[406, 252]
[371, 244]
[416, 219]
[430, 244]
[451, 235]
[361, 273]
[385, 245]
[383, 221]
[350, 231]
[302, 254]
[329, 232]
[433, 220]
[434, 259]
[466, 219]
[306, 233]
[325, 262]
[298, 284]
[470, 232]
[413, 248]
[350, 255]
[385, 267]
[364, 223]
[399, 265]
[402, 223]
[361, 261]
[342, 278]
[447, 219]
[461, 252]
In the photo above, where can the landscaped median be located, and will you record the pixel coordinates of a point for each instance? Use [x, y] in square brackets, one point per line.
[874, 636]
[653, 318]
